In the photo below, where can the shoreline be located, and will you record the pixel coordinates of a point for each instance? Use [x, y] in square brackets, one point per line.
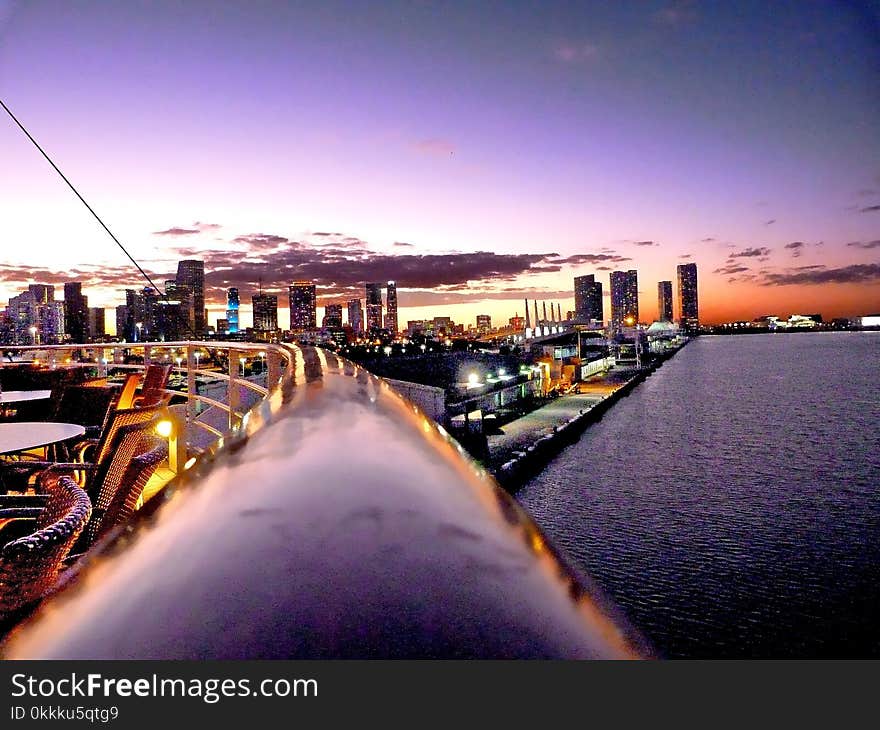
[512, 466]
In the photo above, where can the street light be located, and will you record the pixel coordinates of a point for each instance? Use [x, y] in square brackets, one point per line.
[138, 326]
[197, 355]
[243, 362]
[263, 361]
[33, 331]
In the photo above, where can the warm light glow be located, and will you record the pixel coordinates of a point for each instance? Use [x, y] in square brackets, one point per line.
[473, 379]
[164, 428]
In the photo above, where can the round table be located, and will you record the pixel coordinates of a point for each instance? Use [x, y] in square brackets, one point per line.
[25, 435]
[17, 396]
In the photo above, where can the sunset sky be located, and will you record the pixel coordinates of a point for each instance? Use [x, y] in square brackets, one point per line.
[477, 153]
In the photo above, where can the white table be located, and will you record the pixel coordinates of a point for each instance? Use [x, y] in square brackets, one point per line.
[25, 435]
[18, 396]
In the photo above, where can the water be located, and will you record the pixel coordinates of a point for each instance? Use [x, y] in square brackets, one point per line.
[731, 504]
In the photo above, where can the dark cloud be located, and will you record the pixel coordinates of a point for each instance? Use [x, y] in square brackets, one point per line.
[322, 233]
[708, 239]
[806, 268]
[644, 243]
[751, 253]
[871, 209]
[685, 256]
[403, 244]
[864, 244]
[795, 248]
[177, 232]
[770, 222]
[855, 274]
[262, 240]
[728, 270]
[589, 258]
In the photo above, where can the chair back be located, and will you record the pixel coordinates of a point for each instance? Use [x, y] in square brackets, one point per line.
[155, 380]
[84, 405]
[136, 453]
[144, 417]
[29, 565]
[126, 395]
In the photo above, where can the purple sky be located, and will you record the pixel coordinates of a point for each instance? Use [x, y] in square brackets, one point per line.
[499, 140]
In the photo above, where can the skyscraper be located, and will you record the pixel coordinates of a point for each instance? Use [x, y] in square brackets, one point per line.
[391, 314]
[356, 315]
[265, 312]
[624, 299]
[303, 306]
[191, 274]
[664, 301]
[76, 312]
[332, 317]
[484, 324]
[97, 328]
[232, 304]
[374, 307]
[588, 302]
[688, 308]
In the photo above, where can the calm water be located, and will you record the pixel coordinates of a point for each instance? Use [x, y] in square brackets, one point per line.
[731, 504]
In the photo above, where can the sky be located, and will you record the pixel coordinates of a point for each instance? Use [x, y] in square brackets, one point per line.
[476, 153]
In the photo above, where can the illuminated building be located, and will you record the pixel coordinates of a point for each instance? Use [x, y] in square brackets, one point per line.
[303, 306]
[624, 299]
[391, 313]
[688, 309]
[191, 274]
[374, 307]
[356, 315]
[588, 303]
[265, 312]
[232, 306]
[664, 301]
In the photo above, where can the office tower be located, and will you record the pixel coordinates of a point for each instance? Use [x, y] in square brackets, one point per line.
[124, 324]
[43, 293]
[391, 306]
[356, 315]
[96, 323]
[688, 309]
[222, 326]
[265, 312]
[332, 317]
[76, 318]
[484, 324]
[191, 274]
[624, 299]
[374, 307]
[664, 301]
[518, 323]
[303, 306]
[232, 304]
[588, 304]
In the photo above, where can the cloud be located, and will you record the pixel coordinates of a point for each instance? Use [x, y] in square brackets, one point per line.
[644, 243]
[589, 258]
[855, 274]
[728, 270]
[871, 209]
[685, 256]
[177, 232]
[770, 222]
[262, 240]
[571, 53]
[435, 147]
[403, 244]
[864, 244]
[795, 248]
[206, 226]
[751, 252]
[708, 239]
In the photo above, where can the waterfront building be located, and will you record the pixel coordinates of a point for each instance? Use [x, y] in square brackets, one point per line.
[374, 307]
[265, 312]
[332, 317]
[484, 324]
[191, 274]
[588, 303]
[688, 309]
[303, 306]
[356, 316]
[76, 318]
[664, 301]
[97, 324]
[232, 307]
[391, 309]
[516, 322]
[624, 299]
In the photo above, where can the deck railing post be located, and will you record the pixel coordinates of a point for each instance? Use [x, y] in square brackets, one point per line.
[190, 383]
[146, 355]
[232, 392]
[274, 372]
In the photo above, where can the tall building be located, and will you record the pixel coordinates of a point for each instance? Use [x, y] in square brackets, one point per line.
[76, 312]
[232, 304]
[374, 307]
[124, 324]
[664, 301]
[43, 293]
[356, 315]
[191, 274]
[484, 324]
[688, 308]
[624, 299]
[588, 304]
[303, 306]
[391, 307]
[97, 328]
[332, 317]
[265, 312]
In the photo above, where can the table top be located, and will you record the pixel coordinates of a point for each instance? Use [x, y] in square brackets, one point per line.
[24, 435]
[17, 396]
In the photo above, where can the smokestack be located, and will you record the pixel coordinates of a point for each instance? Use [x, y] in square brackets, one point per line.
[558, 312]
[544, 304]
[528, 324]
[536, 313]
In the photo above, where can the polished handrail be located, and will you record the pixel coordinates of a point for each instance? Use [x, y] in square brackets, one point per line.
[336, 520]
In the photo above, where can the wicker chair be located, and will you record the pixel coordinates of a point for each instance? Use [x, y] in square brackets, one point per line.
[29, 566]
[153, 390]
[116, 488]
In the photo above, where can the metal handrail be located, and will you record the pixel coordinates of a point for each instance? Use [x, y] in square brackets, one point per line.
[336, 520]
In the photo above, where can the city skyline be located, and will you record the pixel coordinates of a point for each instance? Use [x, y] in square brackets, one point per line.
[474, 175]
